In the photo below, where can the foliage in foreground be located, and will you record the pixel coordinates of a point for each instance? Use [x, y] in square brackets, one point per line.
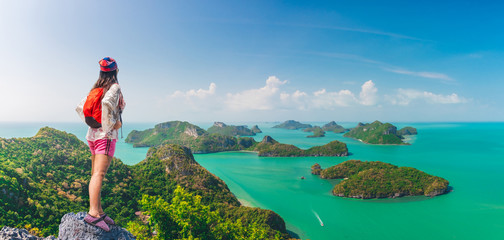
[187, 218]
[46, 176]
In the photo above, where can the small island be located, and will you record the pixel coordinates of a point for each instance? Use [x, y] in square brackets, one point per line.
[269, 147]
[380, 133]
[255, 129]
[334, 127]
[201, 141]
[317, 132]
[230, 130]
[292, 125]
[366, 180]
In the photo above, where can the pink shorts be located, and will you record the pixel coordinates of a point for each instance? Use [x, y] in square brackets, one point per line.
[103, 146]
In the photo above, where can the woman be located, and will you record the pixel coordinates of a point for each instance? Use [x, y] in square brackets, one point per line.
[102, 136]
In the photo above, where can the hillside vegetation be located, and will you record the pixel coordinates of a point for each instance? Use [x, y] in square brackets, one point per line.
[46, 176]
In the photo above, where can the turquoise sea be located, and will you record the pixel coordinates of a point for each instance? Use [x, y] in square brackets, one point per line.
[469, 155]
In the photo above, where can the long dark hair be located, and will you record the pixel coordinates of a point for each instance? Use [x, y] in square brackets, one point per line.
[106, 80]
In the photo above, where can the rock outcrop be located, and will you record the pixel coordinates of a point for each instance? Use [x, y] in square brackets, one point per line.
[73, 227]
[315, 169]
[255, 129]
[8, 233]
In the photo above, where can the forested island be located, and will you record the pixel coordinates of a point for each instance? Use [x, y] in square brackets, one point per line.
[367, 180]
[380, 133]
[269, 147]
[317, 132]
[334, 127]
[201, 141]
[232, 130]
[255, 129]
[292, 125]
[46, 176]
[329, 127]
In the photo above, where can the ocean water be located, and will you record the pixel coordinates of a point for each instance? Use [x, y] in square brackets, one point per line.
[469, 155]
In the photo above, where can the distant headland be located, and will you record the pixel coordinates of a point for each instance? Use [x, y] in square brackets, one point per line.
[201, 141]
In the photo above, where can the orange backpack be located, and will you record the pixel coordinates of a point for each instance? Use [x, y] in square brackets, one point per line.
[93, 108]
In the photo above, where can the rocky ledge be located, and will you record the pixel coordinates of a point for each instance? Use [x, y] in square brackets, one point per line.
[19, 234]
[72, 227]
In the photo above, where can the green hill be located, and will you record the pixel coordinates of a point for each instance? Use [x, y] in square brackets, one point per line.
[381, 180]
[334, 127]
[317, 132]
[200, 141]
[46, 176]
[255, 129]
[407, 131]
[377, 133]
[230, 130]
[189, 135]
[292, 125]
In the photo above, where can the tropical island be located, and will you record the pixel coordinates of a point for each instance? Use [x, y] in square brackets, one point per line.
[232, 130]
[367, 180]
[380, 133]
[292, 125]
[44, 177]
[317, 132]
[334, 127]
[255, 129]
[201, 141]
[269, 147]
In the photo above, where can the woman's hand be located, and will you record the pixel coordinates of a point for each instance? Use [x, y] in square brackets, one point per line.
[117, 125]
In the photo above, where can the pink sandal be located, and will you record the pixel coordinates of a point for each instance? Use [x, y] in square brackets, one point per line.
[98, 222]
[107, 219]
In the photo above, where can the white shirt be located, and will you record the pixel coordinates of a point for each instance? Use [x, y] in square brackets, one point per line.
[112, 103]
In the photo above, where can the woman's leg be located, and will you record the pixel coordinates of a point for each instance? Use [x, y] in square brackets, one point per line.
[100, 164]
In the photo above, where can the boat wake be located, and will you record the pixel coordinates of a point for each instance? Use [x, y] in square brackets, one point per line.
[318, 217]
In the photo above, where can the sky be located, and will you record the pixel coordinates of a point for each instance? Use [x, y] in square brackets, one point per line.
[239, 61]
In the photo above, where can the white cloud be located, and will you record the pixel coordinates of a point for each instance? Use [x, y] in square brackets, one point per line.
[433, 75]
[405, 96]
[329, 100]
[256, 99]
[368, 92]
[200, 93]
[273, 99]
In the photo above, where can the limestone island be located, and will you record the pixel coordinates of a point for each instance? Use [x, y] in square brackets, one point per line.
[269, 147]
[317, 132]
[292, 125]
[201, 141]
[380, 133]
[230, 130]
[255, 129]
[366, 180]
[334, 127]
